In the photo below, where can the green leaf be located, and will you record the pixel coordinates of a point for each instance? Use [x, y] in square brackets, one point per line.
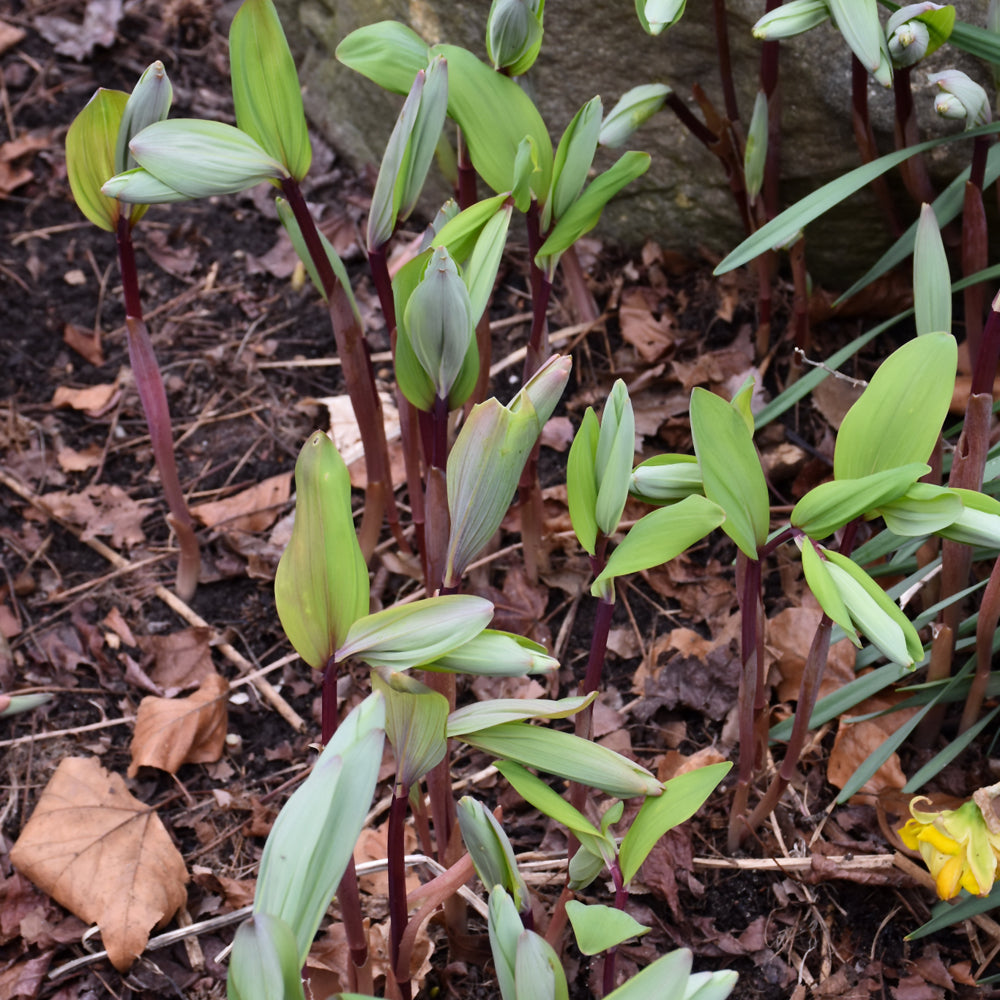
[495, 114]
[200, 158]
[566, 755]
[505, 929]
[491, 851]
[931, 277]
[857, 21]
[946, 914]
[313, 838]
[783, 227]
[149, 102]
[755, 154]
[828, 507]
[598, 928]
[480, 271]
[461, 233]
[388, 53]
[407, 635]
[90, 156]
[574, 156]
[495, 711]
[496, 654]
[291, 224]
[537, 793]
[898, 418]
[730, 469]
[423, 140]
[871, 615]
[662, 535]
[613, 461]
[264, 964]
[321, 585]
[665, 479]
[665, 979]
[585, 212]
[538, 970]
[682, 797]
[824, 589]
[266, 92]
[635, 107]
[415, 717]
[922, 510]
[946, 207]
[581, 481]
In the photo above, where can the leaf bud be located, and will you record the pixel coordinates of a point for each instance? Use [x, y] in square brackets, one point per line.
[634, 108]
[149, 102]
[960, 98]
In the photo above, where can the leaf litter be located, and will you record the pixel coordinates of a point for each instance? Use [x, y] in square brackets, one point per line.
[674, 329]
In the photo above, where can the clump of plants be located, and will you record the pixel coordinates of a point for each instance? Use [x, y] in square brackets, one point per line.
[468, 456]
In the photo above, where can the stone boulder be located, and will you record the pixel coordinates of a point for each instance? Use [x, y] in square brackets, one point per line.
[683, 202]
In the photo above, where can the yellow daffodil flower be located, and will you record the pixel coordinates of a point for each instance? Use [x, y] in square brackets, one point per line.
[957, 845]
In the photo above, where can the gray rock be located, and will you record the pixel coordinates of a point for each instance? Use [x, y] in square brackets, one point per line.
[683, 201]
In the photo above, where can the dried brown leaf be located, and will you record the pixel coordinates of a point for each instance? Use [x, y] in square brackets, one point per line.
[789, 636]
[100, 21]
[25, 979]
[182, 659]
[86, 343]
[174, 731]
[856, 742]
[9, 36]
[92, 399]
[101, 509]
[652, 337]
[104, 855]
[253, 509]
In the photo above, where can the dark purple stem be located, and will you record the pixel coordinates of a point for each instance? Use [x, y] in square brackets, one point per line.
[725, 60]
[621, 897]
[988, 355]
[329, 700]
[358, 376]
[153, 396]
[466, 175]
[396, 854]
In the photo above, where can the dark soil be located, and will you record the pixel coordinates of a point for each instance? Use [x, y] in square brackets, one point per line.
[224, 315]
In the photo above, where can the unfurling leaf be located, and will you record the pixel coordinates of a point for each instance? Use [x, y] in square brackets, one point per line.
[264, 963]
[898, 418]
[730, 469]
[321, 586]
[90, 156]
[266, 92]
[313, 838]
[408, 635]
[104, 855]
[415, 718]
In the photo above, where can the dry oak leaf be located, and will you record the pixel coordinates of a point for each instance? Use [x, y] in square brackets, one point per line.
[104, 855]
[174, 731]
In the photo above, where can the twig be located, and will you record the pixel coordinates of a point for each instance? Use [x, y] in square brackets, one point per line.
[224, 919]
[264, 688]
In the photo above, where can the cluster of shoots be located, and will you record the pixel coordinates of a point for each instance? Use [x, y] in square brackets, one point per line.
[124, 153]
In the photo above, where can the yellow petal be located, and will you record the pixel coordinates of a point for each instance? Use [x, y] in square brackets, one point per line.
[909, 833]
[949, 877]
[939, 841]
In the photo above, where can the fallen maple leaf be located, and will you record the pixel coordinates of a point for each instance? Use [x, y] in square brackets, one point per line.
[104, 855]
[174, 731]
